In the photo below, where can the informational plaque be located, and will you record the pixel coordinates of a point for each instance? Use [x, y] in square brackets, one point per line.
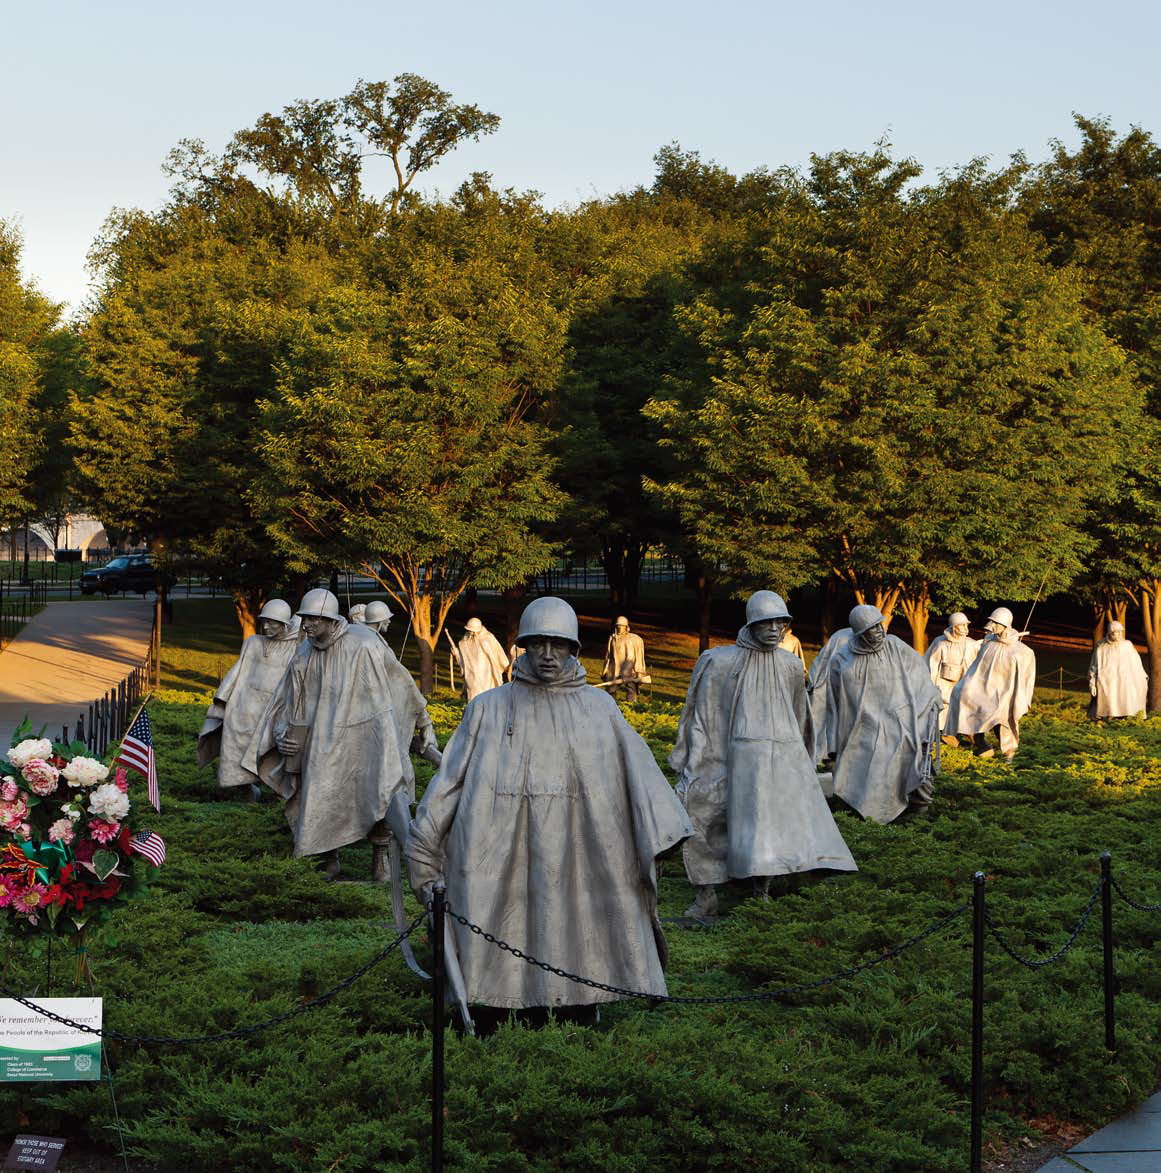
[35, 1152]
[33, 1047]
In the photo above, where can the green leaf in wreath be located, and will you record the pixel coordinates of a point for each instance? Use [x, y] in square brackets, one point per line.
[104, 862]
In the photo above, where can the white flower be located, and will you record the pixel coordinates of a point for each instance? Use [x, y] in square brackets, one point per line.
[34, 747]
[73, 811]
[85, 772]
[109, 803]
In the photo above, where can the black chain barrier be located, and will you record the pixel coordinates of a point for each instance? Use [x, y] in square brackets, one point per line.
[1030, 963]
[240, 1032]
[1130, 901]
[723, 999]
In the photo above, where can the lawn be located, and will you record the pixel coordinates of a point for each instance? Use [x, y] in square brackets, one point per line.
[870, 1073]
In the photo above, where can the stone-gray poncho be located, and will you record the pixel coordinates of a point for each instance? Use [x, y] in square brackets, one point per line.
[353, 759]
[624, 657]
[882, 720]
[482, 661]
[544, 819]
[240, 700]
[816, 684]
[1118, 680]
[996, 689]
[948, 658]
[744, 771]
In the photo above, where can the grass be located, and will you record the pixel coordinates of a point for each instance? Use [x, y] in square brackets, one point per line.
[871, 1073]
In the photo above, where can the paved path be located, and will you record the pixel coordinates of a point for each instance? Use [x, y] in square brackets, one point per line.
[68, 655]
[1129, 1145]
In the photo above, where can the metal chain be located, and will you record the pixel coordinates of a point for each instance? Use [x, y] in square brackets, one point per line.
[240, 1032]
[720, 1000]
[1040, 964]
[1132, 903]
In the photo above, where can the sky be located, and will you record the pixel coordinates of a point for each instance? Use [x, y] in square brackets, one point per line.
[95, 95]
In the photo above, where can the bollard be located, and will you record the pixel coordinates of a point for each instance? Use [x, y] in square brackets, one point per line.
[1110, 977]
[977, 1022]
[438, 995]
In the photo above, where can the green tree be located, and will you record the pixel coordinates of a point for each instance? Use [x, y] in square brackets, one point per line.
[1099, 208]
[403, 436]
[911, 400]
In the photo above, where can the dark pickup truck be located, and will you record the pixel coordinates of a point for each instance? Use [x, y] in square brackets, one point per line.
[128, 572]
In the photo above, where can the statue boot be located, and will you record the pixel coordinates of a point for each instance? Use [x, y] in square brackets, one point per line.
[705, 903]
[380, 863]
[331, 864]
[762, 888]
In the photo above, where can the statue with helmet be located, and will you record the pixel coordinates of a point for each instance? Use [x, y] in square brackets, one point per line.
[949, 657]
[1116, 677]
[245, 690]
[743, 765]
[334, 740]
[816, 686]
[996, 690]
[481, 658]
[882, 721]
[544, 822]
[624, 661]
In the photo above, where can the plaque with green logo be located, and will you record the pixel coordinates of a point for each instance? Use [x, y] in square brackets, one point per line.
[33, 1047]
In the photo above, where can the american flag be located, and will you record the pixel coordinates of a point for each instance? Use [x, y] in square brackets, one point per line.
[148, 844]
[136, 753]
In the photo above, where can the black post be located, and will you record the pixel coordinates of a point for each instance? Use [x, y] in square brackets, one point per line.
[1110, 976]
[439, 978]
[977, 1021]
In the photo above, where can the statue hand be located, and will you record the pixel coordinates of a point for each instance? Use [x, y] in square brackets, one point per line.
[287, 746]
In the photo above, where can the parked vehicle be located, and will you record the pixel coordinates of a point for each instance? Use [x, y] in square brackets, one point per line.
[128, 572]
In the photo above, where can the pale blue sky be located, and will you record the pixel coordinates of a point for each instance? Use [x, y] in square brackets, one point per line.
[95, 94]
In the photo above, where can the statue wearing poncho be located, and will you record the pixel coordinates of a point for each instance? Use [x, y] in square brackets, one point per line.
[816, 682]
[351, 758]
[1116, 677]
[544, 820]
[743, 768]
[242, 697]
[948, 658]
[996, 690]
[882, 720]
[481, 658]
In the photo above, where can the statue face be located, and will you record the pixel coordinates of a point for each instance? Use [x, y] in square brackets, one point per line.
[548, 656]
[621, 628]
[769, 632]
[959, 630]
[873, 637]
[996, 628]
[271, 628]
[1116, 634]
[317, 627]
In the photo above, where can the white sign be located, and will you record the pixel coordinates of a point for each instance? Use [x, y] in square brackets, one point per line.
[33, 1047]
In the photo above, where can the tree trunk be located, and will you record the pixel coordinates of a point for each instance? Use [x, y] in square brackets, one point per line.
[916, 605]
[827, 624]
[1151, 613]
[705, 595]
[622, 565]
[514, 602]
[425, 639]
[1099, 615]
[247, 604]
[24, 577]
[1119, 610]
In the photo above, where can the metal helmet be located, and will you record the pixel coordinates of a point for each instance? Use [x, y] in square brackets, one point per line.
[1115, 625]
[377, 612]
[319, 603]
[357, 613]
[548, 616]
[473, 625]
[277, 609]
[620, 621]
[1001, 615]
[765, 605]
[956, 618]
[863, 617]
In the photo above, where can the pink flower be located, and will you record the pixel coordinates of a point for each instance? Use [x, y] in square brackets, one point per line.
[102, 831]
[25, 901]
[24, 831]
[9, 790]
[121, 780]
[6, 891]
[13, 813]
[40, 775]
[61, 831]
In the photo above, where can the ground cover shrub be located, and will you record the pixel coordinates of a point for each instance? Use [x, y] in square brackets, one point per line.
[870, 1073]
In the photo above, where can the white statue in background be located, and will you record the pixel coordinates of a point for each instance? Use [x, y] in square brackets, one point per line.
[624, 660]
[244, 692]
[792, 644]
[481, 658]
[1116, 677]
[882, 720]
[949, 657]
[544, 821]
[356, 612]
[743, 767]
[996, 690]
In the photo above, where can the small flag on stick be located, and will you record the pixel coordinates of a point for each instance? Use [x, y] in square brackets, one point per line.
[148, 844]
[136, 753]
